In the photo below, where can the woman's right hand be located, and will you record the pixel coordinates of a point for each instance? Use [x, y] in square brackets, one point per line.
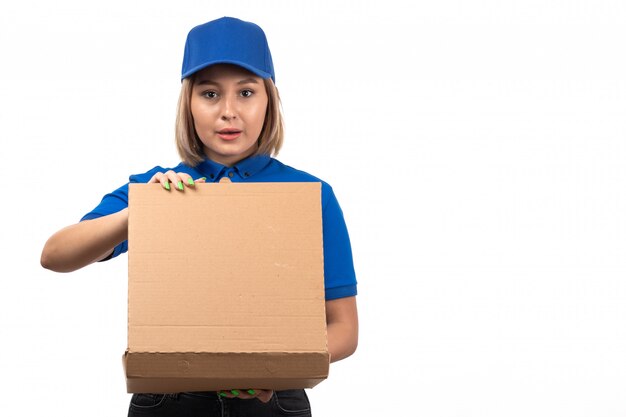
[176, 180]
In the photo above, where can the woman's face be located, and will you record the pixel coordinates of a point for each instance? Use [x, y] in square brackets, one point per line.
[228, 105]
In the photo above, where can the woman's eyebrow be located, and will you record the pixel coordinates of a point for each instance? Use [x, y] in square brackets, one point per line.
[247, 81]
[205, 82]
[244, 81]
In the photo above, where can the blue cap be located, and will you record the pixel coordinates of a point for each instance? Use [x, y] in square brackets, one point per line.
[228, 41]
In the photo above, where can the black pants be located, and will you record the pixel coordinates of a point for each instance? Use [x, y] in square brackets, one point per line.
[208, 404]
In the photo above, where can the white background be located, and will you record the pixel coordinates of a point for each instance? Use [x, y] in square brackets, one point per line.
[477, 149]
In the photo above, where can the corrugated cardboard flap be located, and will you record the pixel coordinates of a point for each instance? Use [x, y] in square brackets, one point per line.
[210, 371]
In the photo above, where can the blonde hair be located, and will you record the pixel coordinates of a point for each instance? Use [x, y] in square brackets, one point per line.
[188, 143]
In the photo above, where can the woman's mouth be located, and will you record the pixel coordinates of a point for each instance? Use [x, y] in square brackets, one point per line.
[229, 134]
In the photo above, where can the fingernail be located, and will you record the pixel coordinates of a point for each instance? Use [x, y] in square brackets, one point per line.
[222, 394]
[167, 185]
[203, 178]
[234, 392]
[251, 392]
[190, 181]
[180, 185]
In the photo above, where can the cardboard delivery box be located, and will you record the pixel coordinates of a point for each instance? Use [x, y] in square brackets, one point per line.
[225, 288]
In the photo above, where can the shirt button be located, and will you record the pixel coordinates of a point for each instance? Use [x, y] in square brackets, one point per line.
[230, 174]
[246, 174]
[212, 176]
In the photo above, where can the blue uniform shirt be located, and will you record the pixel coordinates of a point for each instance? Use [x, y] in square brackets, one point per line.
[339, 276]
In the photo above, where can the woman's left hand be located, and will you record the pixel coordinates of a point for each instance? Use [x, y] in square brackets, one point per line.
[263, 395]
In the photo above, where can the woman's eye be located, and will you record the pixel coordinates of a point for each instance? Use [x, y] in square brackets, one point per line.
[247, 93]
[209, 94]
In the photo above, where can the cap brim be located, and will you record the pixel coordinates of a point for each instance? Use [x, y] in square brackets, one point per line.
[253, 70]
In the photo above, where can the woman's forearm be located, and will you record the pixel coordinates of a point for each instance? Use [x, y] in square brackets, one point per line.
[342, 327]
[342, 341]
[83, 243]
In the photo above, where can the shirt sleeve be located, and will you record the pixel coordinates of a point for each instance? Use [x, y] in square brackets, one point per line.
[111, 203]
[339, 276]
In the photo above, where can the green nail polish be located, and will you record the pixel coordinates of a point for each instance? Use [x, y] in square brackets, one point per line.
[251, 392]
[190, 181]
[180, 185]
[167, 185]
[222, 394]
[234, 392]
[203, 178]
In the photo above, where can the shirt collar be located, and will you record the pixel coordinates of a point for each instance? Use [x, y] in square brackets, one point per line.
[246, 168]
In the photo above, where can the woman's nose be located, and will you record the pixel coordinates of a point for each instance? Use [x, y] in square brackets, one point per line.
[229, 109]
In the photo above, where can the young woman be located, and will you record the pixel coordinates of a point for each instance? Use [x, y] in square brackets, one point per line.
[229, 123]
